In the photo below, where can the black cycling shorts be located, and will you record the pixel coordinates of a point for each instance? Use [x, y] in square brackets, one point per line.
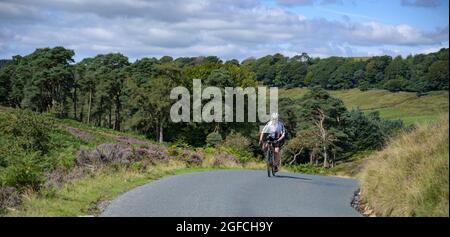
[277, 144]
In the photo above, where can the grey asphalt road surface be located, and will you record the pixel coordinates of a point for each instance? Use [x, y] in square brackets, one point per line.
[238, 193]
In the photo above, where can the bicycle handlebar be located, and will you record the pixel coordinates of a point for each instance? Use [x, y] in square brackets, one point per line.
[268, 141]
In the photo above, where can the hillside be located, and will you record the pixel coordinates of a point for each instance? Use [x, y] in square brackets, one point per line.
[56, 167]
[406, 106]
[61, 167]
[410, 177]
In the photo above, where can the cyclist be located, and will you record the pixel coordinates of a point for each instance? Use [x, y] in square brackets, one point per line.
[274, 129]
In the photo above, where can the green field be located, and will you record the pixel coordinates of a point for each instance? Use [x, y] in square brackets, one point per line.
[406, 106]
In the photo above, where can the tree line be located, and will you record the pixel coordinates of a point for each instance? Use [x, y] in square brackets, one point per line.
[419, 73]
[109, 91]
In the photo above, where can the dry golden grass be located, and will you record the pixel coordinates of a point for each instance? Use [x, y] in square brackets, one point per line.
[410, 177]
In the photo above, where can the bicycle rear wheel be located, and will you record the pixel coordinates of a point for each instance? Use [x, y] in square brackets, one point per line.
[269, 163]
[273, 165]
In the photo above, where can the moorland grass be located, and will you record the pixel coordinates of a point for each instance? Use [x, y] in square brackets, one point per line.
[410, 177]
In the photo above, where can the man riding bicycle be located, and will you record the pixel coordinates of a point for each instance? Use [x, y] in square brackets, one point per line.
[274, 130]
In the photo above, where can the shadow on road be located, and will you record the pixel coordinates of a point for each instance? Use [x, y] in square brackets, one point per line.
[290, 177]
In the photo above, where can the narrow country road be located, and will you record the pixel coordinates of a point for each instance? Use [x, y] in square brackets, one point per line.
[241, 193]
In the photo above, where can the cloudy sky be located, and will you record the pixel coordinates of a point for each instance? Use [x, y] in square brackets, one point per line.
[228, 28]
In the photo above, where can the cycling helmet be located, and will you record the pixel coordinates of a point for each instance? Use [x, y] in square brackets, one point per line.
[274, 116]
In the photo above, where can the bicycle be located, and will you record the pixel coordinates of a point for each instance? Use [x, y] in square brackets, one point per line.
[270, 157]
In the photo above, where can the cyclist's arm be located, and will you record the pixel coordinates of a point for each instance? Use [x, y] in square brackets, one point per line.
[281, 137]
[261, 137]
[262, 133]
[283, 132]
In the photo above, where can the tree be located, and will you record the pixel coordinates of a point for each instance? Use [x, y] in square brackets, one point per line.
[148, 101]
[50, 79]
[288, 111]
[364, 131]
[323, 69]
[397, 84]
[294, 147]
[110, 75]
[374, 70]
[264, 70]
[234, 62]
[85, 83]
[344, 77]
[220, 78]
[166, 59]
[318, 98]
[326, 138]
[143, 69]
[161, 86]
[213, 139]
[437, 77]
[398, 68]
[7, 71]
[359, 76]
[318, 125]
[292, 72]
[305, 142]
[17, 80]
[4, 62]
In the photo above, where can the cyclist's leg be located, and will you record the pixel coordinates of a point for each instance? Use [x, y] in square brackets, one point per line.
[269, 155]
[264, 147]
[277, 158]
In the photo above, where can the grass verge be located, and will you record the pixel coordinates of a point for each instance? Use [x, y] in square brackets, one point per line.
[85, 196]
[410, 177]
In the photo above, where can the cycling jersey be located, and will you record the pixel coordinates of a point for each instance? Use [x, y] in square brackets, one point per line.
[274, 128]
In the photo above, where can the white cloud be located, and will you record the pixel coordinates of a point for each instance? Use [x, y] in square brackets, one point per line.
[421, 3]
[228, 29]
[307, 2]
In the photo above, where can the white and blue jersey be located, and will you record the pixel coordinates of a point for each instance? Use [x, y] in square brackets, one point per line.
[274, 128]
